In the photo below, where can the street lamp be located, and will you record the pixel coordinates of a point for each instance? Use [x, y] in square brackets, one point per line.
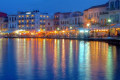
[88, 25]
[109, 21]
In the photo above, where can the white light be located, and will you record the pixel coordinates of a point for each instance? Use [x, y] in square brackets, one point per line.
[28, 13]
[81, 31]
[86, 30]
[39, 30]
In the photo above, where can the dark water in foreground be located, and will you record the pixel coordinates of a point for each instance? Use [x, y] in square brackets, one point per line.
[52, 59]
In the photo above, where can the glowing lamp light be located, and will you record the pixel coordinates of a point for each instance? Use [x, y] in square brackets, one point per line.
[70, 27]
[63, 31]
[88, 24]
[39, 30]
[55, 31]
[109, 20]
[86, 31]
[82, 31]
[58, 29]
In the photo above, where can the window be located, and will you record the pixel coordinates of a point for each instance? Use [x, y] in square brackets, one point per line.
[112, 6]
[27, 15]
[32, 15]
[22, 15]
[40, 15]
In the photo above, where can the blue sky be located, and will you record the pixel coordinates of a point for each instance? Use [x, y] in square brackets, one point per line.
[50, 6]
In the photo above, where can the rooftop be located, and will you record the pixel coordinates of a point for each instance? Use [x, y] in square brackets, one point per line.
[98, 6]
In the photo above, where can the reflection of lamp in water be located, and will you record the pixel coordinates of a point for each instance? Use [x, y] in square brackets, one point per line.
[109, 21]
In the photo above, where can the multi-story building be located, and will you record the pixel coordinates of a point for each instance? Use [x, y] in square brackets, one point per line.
[33, 20]
[3, 21]
[12, 22]
[92, 15]
[112, 13]
[49, 24]
[30, 21]
[56, 20]
[69, 20]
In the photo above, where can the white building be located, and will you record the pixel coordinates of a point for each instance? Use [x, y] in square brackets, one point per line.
[33, 20]
[112, 13]
[49, 25]
[12, 22]
[70, 20]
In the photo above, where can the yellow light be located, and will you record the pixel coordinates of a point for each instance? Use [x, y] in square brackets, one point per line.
[88, 24]
[63, 31]
[40, 20]
[40, 15]
[22, 20]
[27, 15]
[32, 20]
[55, 31]
[22, 15]
[27, 21]
[32, 25]
[32, 15]
[19, 21]
[19, 16]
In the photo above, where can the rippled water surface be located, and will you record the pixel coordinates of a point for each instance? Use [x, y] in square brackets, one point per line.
[58, 59]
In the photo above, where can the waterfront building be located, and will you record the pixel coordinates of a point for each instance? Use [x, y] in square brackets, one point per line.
[56, 20]
[68, 20]
[112, 13]
[12, 22]
[92, 15]
[49, 24]
[32, 20]
[3, 21]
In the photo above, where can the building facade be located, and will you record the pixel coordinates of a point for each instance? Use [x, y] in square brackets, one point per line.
[12, 23]
[69, 20]
[33, 20]
[3, 21]
[92, 15]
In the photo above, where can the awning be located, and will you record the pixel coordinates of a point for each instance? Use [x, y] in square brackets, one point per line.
[7, 31]
[115, 26]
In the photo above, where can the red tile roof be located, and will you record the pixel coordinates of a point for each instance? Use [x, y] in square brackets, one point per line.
[3, 14]
[98, 6]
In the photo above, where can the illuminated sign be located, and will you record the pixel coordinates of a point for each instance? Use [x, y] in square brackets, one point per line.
[28, 13]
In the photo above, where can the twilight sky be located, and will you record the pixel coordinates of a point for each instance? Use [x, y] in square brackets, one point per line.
[50, 6]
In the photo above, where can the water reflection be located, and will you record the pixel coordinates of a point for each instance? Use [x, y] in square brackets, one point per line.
[58, 59]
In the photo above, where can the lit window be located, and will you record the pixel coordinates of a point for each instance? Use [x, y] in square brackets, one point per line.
[32, 25]
[40, 25]
[22, 25]
[27, 25]
[19, 21]
[19, 16]
[22, 15]
[27, 15]
[44, 21]
[32, 20]
[32, 15]
[27, 21]
[47, 16]
[40, 15]
[22, 20]
[40, 20]
[44, 16]
[19, 25]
